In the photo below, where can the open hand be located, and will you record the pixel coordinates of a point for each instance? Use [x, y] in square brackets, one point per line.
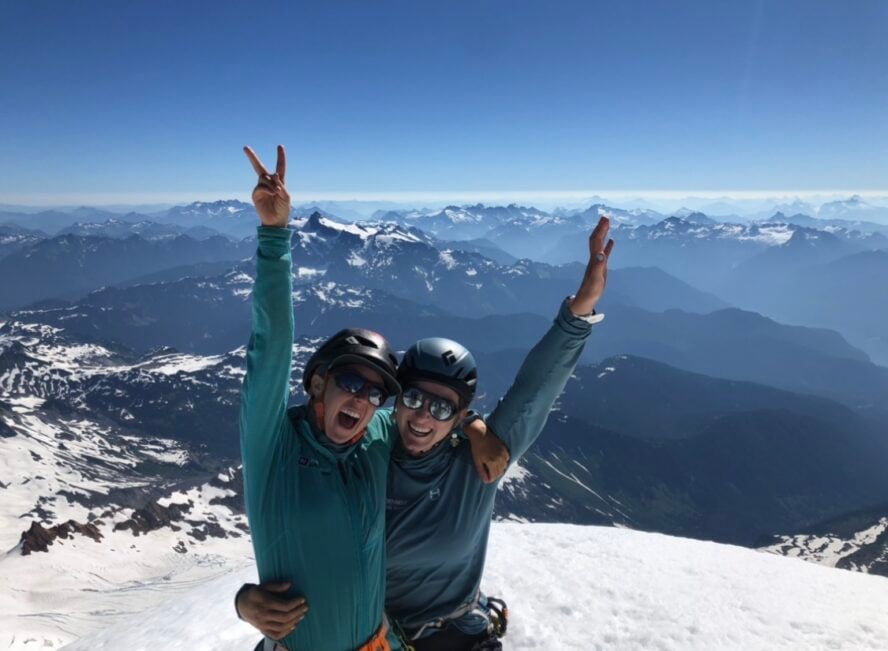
[270, 196]
[264, 607]
[595, 277]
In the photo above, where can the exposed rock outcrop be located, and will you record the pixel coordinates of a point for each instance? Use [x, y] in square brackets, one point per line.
[153, 516]
[38, 538]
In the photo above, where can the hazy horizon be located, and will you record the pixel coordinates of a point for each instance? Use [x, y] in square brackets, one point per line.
[655, 200]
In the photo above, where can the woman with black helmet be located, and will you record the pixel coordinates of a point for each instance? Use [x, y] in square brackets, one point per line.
[438, 510]
[314, 476]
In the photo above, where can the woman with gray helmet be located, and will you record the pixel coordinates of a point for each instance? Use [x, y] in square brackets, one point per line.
[314, 476]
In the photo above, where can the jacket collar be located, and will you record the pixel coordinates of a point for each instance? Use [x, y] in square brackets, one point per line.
[316, 439]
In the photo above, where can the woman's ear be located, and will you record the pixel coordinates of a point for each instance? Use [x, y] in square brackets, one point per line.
[316, 388]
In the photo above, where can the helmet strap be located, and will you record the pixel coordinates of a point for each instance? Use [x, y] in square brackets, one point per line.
[317, 407]
[357, 437]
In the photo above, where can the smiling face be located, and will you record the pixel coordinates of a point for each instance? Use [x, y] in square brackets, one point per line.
[345, 414]
[419, 431]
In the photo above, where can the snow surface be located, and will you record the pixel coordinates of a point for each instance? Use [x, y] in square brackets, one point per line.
[567, 586]
[81, 586]
[180, 363]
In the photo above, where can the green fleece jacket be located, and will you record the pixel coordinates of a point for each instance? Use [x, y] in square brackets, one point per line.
[316, 510]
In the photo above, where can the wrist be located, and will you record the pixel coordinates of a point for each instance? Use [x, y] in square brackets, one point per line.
[582, 305]
[471, 432]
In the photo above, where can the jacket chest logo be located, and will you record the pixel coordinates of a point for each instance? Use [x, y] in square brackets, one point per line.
[394, 503]
[434, 494]
[307, 462]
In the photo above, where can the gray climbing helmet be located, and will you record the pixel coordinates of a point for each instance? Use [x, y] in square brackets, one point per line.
[440, 360]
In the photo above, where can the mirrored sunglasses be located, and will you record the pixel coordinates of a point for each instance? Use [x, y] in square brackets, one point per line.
[358, 385]
[439, 408]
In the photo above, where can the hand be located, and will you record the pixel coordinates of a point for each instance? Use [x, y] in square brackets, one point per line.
[595, 278]
[491, 456]
[264, 608]
[270, 196]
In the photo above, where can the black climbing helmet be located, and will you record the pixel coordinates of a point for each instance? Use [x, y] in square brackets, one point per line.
[441, 360]
[359, 347]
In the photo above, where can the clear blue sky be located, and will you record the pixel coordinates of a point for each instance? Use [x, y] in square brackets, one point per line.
[379, 96]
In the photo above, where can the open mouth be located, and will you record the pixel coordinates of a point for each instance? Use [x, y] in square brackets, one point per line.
[347, 418]
[419, 432]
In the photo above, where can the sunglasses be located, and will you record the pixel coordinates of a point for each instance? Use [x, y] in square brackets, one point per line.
[439, 408]
[358, 385]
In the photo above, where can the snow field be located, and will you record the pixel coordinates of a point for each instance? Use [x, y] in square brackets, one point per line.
[574, 587]
[48, 600]
[608, 588]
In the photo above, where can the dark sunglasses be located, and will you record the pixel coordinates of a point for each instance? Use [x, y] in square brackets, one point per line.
[359, 385]
[440, 408]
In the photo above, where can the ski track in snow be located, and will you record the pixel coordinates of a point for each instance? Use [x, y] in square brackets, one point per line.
[567, 586]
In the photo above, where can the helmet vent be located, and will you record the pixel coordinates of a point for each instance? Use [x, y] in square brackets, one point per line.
[449, 358]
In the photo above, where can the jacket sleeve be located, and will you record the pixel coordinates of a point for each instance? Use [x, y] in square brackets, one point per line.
[266, 385]
[520, 415]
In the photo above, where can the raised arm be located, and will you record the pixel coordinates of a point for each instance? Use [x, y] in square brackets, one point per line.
[269, 354]
[521, 414]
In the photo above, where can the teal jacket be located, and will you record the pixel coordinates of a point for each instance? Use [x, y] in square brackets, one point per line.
[438, 511]
[316, 510]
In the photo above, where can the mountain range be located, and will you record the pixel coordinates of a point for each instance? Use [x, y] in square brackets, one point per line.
[93, 428]
[122, 347]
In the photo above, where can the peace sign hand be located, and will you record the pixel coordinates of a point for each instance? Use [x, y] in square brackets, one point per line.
[270, 197]
[595, 278]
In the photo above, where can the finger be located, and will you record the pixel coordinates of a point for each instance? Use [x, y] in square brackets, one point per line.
[281, 633]
[281, 192]
[276, 586]
[256, 163]
[281, 609]
[481, 469]
[608, 248]
[497, 472]
[277, 631]
[277, 605]
[596, 240]
[601, 227]
[277, 619]
[281, 169]
[264, 190]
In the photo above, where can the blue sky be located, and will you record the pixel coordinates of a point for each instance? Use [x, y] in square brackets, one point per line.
[155, 99]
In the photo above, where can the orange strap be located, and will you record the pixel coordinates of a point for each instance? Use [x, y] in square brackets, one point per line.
[379, 641]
